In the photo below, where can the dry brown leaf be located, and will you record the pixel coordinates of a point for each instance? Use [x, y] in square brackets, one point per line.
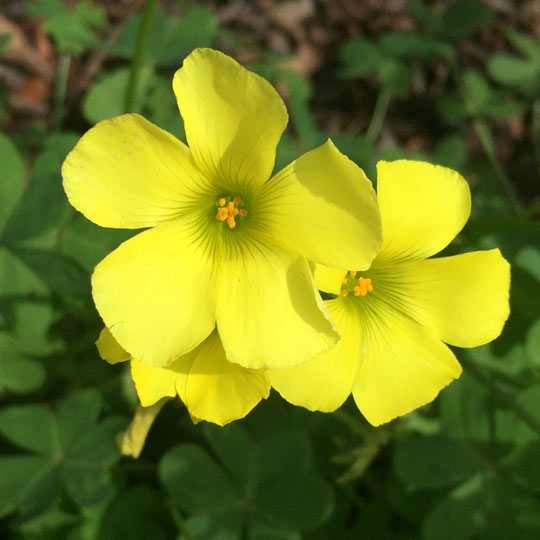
[20, 51]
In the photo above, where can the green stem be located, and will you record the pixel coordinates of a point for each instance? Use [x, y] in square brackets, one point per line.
[377, 120]
[486, 139]
[488, 144]
[535, 131]
[530, 212]
[472, 369]
[60, 87]
[355, 424]
[179, 520]
[508, 378]
[138, 54]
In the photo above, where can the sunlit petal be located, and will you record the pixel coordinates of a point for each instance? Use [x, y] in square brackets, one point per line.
[423, 207]
[233, 118]
[214, 389]
[126, 172]
[324, 383]
[462, 299]
[269, 314]
[152, 383]
[109, 349]
[156, 292]
[323, 206]
[401, 365]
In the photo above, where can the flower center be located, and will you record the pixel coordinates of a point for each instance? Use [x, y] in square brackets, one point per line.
[359, 286]
[229, 209]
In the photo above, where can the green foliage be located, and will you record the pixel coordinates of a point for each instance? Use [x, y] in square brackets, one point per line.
[13, 179]
[137, 514]
[72, 29]
[24, 336]
[4, 40]
[457, 20]
[445, 461]
[362, 57]
[70, 449]
[43, 197]
[465, 467]
[388, 59]
[106, 98]
[265, 486]
[532, 344]
[478, 100]
[519, 72]
[170, 38]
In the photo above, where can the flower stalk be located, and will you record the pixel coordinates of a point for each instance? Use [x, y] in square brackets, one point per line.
[138, 54]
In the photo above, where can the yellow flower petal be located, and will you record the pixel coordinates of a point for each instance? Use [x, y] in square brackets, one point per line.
[423, 207]
[462, 299]
[324, 383]
[269, 314]
[323, 206]
[402, 366]
[127, 173]
[328, 279]
[156, 292]
[109, 349]
[233, 118]
[131, 442]
[152, 383]
[214, 389]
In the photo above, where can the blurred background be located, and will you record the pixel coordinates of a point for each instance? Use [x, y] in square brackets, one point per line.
[456, 83]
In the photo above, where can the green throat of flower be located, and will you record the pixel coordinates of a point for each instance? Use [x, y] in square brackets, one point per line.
[355, 285]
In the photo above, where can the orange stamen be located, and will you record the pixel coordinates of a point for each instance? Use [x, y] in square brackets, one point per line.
[358, 286]
[222, 214]
[227, 210]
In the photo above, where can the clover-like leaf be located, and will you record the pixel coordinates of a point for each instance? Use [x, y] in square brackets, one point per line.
[70, 447]
[43, 197]
[445, 461]
[519, 72]
[169, 38]
[13, 178]
[265, 483]
[72, 29]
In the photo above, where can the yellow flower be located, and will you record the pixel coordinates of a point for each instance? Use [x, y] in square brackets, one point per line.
[212, 388]
[225, 246]
[395, 316]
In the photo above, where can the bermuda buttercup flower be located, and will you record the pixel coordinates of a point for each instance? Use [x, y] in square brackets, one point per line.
[211, 387]
[226, 247]
[395, 316]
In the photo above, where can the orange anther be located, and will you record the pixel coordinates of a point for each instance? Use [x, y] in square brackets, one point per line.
[227, 210]
[222, 214]
[353, 273]
[344, 293]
